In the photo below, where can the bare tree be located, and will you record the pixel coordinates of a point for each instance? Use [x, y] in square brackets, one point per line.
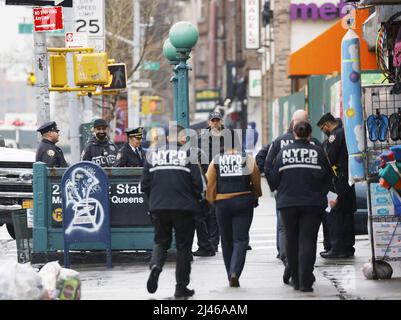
[156, 18]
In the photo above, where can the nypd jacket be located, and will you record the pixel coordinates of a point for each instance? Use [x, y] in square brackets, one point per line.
[126, 157]
[275, 147]
[171, 181]
[103, 153]
[232, 174]
[50, 154]
[301, 175]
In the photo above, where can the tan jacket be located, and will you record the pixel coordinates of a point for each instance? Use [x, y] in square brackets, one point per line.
[211, 174]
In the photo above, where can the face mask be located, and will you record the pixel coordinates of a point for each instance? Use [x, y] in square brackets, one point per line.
[101, 135]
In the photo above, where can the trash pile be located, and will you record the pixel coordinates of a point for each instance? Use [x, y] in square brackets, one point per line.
[52, 282]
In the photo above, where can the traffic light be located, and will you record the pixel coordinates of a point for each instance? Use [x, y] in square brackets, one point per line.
[152, 105]
[58, 71]
[31, 81]
[90, 69]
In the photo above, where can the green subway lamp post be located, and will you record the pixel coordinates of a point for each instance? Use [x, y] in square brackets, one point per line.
[183, 36]
[170, 52]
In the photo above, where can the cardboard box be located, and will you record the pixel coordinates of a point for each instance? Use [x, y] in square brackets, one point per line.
[387, 228]
[383, 210]
[392, 252]
[381, 239]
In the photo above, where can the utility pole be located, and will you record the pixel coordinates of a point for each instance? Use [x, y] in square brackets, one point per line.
[133, 96]
[73, 103]
[42, 79]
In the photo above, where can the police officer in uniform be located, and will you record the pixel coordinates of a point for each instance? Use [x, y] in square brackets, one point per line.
[234, 189]
[47, 151]
[174, 187]
[275, 147]
[100, 149]
[131, 154]
[339, 223]
[301, 176]
[211, 143]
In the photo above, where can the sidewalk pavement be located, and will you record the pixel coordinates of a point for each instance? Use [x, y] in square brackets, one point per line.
[261, 278]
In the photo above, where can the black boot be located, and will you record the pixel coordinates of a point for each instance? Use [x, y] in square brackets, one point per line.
[183, 292]
[286, 275]
[153, 279]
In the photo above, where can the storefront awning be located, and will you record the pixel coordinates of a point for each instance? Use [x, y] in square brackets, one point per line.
[323, 54]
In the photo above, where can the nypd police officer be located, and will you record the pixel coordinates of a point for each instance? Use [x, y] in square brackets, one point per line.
[47, 151]
[301, 176]
[100, 149]
[275, 147]
[174, 187]
[131, 154]
[338, 225]
[234, 189]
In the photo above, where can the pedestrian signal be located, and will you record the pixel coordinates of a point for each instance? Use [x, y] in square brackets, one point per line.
[117, 77]
[31, 79]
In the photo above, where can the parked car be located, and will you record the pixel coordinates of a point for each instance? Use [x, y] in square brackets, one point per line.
[15, 184]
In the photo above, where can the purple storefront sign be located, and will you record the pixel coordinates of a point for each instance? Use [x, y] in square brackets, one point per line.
[326, 11]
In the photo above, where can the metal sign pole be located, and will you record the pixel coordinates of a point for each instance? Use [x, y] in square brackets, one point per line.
[42, 80]
[134, 94]
[73, 103]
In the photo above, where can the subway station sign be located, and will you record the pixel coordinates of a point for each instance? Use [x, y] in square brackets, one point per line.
[312, 11]
[128, 205]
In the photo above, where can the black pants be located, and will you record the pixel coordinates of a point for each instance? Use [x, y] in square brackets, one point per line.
[202, 232]
[213, 228]
[302, 227]
[182, 222]
[235, 217]
[339, 224]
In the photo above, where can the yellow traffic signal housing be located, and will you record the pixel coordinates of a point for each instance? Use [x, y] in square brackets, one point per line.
[58, 71]
[152, 105]
[31, 81]
[90, 69]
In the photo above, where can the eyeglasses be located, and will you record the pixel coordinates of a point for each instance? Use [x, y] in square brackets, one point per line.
[215, 120]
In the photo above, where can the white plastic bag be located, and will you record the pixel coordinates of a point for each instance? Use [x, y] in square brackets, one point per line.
[19, 282]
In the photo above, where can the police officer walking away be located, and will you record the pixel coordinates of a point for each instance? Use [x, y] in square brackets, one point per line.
[47, 151]
[275, 147]
[301, 175]
[100, 149]
[338, 225]
[131, 154]
[174, 187]
[234, 188]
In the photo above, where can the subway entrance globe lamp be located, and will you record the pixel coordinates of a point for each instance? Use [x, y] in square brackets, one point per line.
[183, 36]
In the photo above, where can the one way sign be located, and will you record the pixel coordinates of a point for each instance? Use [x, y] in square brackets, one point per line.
[40, 3]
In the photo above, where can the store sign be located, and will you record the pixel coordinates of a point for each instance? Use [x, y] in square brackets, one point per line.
[311, 11]
[206, 99]
[252, 24]
[255, 83]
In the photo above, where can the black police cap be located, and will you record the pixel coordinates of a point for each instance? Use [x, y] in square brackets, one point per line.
[326, 117]
[136, 132]
[100, 123]
[48, 126]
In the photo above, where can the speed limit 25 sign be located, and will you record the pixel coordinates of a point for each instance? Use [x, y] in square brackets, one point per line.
[89, 16]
